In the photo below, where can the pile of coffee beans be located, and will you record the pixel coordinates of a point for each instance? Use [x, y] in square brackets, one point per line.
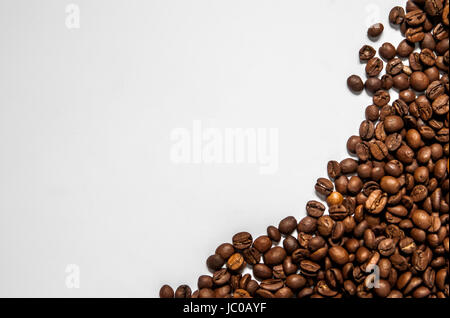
[386, 233]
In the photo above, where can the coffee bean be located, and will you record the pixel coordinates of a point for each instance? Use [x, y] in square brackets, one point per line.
[397, 15]
[366, 53]
[242, 240]
[387, 51]
[183, 291]
[274, 233]
[415, 34]
[307, 224]
[324, 186]
[355, 83]
[315, 209]
[338, 255]
[225, 250]
[415, 17]
[421, 219]
[375, 30]
[419, 81]
[335, 198]
[434, 7]
[376, 202]
[236, 262]
[274, 256]
[287, 225]
[401, 81]
[166, 292]
[381, 98]
[378, 150]
[352, 142]
[263, 243]
[262, 271]
[215, 262]
[386, 247]
[387, 82]
[374, 66]
[405, 48]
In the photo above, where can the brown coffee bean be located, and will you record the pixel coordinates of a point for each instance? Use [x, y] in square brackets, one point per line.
[263, 243]
[274, 233]
[376, 202]
[421, 219]
[397, 15]
[366, 53]
[375, 30]
[338, 254]
[355, 83]
[215, 262]
[315, 209]
[324, 186]
[287, 225]
[374, 66]
[242, 240]
[166, 292]
[274, 256]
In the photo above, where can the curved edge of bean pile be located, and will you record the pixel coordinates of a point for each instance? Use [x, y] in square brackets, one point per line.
[386, 231]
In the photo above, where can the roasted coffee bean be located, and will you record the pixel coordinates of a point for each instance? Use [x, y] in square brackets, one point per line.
[334, 169]
[215, 262]
[307, 225]
[393, 141]
[427, 57]
[373, 84]
[348, 165]
[386, 247]
[421, 219]
[263, 243]
[225, 250]
[251, 255]
[419, 81]
[315, 209]
[242, 240]
[387, 51]
[274, 256]
[376, 202]
[374, 66]
[441, 104]
[274, 233]
[415, 34]
[375, 30]
[287, 225]
[183, 291]
[405, 48]
[381, 98]
[378, 150]
[262, 271]
[221, 277]
[387, 82]
[366, 53]
[352, 142]
[397, 15]
[415, 17]
[434, 7]
[355, 83]
[166, 292]
[324, 186]
[401, 81]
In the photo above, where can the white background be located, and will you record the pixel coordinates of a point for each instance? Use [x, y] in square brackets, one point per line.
[86, 116]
